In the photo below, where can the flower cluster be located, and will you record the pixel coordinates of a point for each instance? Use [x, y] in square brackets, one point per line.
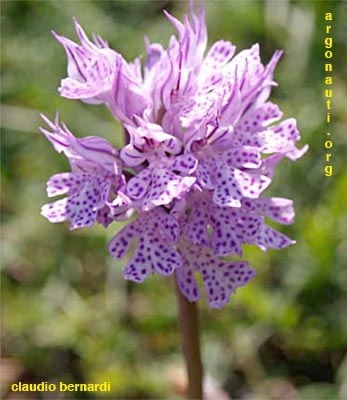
[203, 144]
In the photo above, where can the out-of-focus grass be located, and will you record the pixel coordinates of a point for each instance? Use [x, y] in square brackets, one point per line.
[68, 314]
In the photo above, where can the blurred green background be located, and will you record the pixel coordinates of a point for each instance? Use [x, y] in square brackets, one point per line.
[67, 313]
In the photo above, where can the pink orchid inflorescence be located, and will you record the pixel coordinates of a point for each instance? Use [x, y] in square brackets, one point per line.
[203, 144]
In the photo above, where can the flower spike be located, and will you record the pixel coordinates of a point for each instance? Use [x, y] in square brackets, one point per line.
[204, 142]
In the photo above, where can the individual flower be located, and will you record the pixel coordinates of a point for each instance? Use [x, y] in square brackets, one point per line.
[157, 232]
[168, 174]
[91, 67]
[220, 278]
[95, 177]
[98, 74]
[204, 143]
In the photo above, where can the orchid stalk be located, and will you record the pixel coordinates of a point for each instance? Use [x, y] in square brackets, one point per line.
[204, 142]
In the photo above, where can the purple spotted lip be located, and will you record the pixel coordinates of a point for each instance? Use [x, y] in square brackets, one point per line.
[204, 144]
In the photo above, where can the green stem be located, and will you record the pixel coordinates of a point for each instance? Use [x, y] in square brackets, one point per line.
[189, 327]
